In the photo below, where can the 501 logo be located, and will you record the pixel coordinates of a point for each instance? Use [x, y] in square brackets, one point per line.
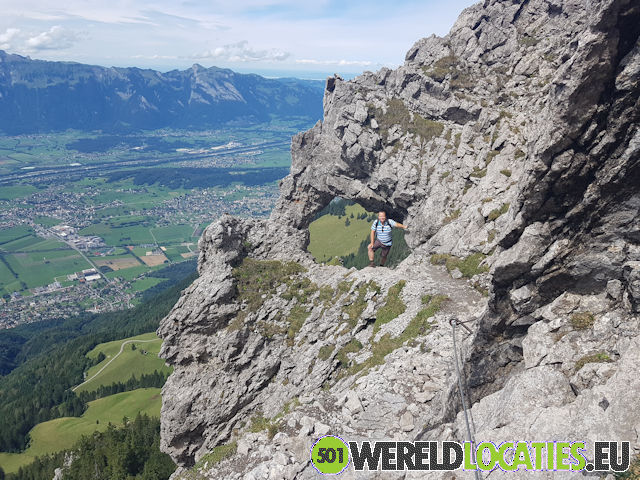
[330, 455]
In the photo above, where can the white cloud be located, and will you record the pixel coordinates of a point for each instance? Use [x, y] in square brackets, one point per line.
[156, 57]
[7, 38]
[113, 12]
[56, 38]
[343, 63]
[292, 34]
[242, 52]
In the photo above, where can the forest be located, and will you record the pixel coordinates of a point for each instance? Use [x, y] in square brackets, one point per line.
[131, 451]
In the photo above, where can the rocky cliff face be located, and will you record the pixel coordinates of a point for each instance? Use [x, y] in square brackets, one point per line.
[511, 149]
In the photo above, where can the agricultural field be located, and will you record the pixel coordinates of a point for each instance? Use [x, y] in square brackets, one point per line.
[14, 233]
[142, 284]
[14, 192]
[178, 252]
[47, 221]
[129, 274]
[62, 433]
[28, 261]
[8, 282]
[172, 233]
[151, 191]
[117, 262]
[120, 235]
[41, 271]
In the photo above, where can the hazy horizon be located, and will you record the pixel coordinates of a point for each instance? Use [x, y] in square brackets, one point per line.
[266, 73]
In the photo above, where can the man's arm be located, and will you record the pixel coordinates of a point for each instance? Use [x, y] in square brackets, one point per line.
[398, 224]
[373, 237]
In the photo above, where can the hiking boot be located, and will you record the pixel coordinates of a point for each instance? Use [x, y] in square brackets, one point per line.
[372, 265]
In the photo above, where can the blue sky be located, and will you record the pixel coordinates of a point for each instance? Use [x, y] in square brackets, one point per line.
[264, 36]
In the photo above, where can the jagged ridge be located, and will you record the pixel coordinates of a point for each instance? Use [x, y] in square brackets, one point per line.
[41, 96]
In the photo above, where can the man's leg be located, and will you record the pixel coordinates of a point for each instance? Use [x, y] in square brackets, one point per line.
[371, 252]
[385, 252]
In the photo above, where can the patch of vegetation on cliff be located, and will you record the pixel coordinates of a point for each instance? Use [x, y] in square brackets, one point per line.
[258, 278]
[357, 306]
[468, 266]
[397, 113]
[600, 357]
[260, 423]
[451, 217]
[418, 326]
[325, 295]
[352, 346]
[216, 455]
[325, 351]
[528, 41]
[478, 172]
[490, 156]
[300, 288]
[272, 425]
[268, 329]
[393, 306]
[498, 212]
[449, 66]
[296, 318]
[433, 304]
[582, 320]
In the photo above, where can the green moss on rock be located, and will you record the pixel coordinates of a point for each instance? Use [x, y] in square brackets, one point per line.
[468, 266]
[582, 320]
[397, 113]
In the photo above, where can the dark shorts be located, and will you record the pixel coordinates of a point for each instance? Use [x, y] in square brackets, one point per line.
[384, 248]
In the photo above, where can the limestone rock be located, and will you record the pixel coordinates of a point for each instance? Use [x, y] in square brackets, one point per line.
[514, 141]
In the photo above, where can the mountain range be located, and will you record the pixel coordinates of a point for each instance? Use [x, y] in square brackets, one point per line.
[44, 96]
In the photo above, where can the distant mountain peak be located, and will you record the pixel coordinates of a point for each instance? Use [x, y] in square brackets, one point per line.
[41, 96]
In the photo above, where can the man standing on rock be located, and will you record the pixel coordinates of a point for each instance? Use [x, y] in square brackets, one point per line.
[381, 229]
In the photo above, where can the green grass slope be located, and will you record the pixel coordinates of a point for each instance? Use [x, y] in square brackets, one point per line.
[330, 237]
[129, 362]
[62, 433]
